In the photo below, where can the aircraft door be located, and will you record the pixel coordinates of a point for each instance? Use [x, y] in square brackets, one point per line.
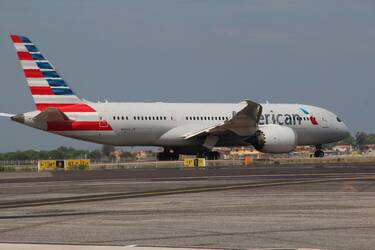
[324, 122]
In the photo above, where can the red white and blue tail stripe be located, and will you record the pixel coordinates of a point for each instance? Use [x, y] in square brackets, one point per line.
[47, 87]
[49, 90]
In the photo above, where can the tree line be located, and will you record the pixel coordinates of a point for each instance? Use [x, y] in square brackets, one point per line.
[358, 140]
[63, 153]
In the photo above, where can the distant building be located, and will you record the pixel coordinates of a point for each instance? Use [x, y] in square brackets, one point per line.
[343, 149]
[117, 154]
[240, 153]
[141, 155]
[368, 149]
[303, 151]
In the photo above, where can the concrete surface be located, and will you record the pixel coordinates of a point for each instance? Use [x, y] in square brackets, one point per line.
[86, 247]
[326, 215]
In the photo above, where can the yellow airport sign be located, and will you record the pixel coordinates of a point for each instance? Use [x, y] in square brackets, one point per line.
[194, 162]
[77, 164]
[51, 165]
[47, 165]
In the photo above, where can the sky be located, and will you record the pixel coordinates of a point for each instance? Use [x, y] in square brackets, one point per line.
[311, 52]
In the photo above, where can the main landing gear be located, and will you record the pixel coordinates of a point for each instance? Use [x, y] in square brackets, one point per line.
[209, 155]
[168, 155]
[318, 151]
[173, 154]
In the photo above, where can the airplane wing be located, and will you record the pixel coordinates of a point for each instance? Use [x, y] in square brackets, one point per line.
[51, 115]
[243, 123]
[6, 115]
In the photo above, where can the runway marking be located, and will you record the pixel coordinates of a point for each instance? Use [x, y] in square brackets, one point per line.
[117, 181]
[112, 196]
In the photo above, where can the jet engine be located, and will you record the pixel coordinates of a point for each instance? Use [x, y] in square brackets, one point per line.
[274, 139]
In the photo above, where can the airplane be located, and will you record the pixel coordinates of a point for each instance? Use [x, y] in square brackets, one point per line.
[180, 128]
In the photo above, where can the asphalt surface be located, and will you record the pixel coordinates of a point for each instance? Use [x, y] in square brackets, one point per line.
[322, 207]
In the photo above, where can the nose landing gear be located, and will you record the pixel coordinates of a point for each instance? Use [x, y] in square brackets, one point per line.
[318, 151]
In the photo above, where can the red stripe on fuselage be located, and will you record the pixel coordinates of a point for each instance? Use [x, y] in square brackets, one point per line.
[79, 126]
[24, 55]
[66, 107]
[33, 73]
[39, 90]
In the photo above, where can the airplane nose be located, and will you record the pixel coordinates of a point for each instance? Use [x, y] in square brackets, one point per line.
[344, 130]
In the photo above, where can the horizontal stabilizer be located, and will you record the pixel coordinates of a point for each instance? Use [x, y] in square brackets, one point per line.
[6, 115]
[51, 115]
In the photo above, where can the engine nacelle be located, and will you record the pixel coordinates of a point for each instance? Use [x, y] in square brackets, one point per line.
[274, 139]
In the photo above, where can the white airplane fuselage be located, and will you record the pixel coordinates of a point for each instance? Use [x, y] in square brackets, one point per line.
[163, 124]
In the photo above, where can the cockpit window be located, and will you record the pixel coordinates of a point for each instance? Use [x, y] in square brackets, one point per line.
[338, 119]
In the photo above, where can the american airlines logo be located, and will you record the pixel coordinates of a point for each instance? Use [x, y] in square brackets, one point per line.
[286, 119]
[312, 118]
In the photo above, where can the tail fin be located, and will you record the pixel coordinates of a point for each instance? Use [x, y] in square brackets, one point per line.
[46, 85]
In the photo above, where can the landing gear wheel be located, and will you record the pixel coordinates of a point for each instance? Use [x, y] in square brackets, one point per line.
[216, 155]
[319, 154]
[209, 155]
[168, 155]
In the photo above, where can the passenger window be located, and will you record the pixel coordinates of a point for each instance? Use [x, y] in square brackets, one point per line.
[126, 118]
[149, 118]
[118, 117]
[114, 118]
[338, 119]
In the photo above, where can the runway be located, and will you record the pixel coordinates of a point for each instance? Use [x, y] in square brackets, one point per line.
[237, 208]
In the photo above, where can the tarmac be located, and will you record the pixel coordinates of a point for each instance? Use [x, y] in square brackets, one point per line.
[269, 207]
